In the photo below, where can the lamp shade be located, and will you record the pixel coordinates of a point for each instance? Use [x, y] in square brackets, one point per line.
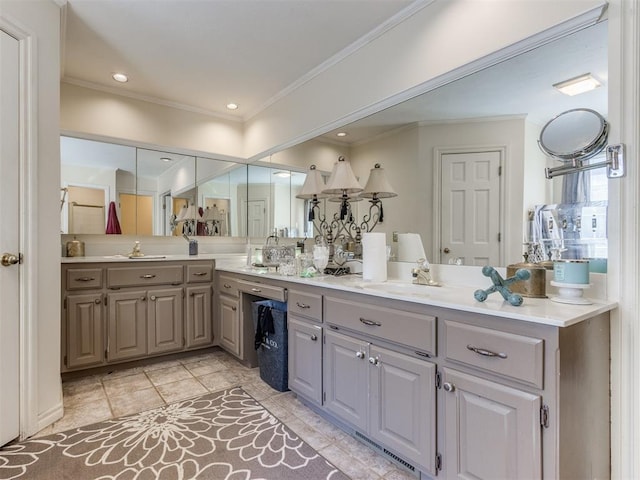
[342, 179]
[313, 185]
[377, 185]
[191, 213]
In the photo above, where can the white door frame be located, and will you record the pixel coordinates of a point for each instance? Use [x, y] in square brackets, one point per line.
[438, 153]
[28, 200]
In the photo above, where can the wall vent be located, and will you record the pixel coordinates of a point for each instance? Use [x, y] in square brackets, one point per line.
[392, 456]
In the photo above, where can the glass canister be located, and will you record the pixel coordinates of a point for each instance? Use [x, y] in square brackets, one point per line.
[304, 265]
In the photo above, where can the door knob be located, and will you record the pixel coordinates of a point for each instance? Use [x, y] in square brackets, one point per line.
[9, 259]
[446, 250]
[448, 387]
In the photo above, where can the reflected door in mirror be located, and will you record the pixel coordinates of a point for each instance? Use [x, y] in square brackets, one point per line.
[137, 214]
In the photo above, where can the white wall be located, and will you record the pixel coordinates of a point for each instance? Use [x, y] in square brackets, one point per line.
[37, 23]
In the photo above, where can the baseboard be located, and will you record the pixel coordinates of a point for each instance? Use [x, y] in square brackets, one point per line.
[49, 416]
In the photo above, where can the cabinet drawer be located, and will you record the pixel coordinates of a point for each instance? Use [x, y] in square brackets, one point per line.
[305, 304]
[83, 278]
[515, 356]
[199, 273]
[148, 275]
[228, 286]
[414, 330]
[263, 290]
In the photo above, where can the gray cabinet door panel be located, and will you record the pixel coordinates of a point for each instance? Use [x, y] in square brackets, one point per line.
[164, 320]
[491, 431]
[305, 359]
[85, 330]
[127, 325]
[230, 324]
[403, 408]
[346, 381]
[199, 317]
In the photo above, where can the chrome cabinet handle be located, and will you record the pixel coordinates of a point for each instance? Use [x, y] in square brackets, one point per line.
[303, 305]
[143, 298]
[256, 290]
[153, 297]
[486, 353]
[375, 361]
[226, 285]
[97, 301]
[370, 322]
[314, 338]
[148, 275]
[9, 259]
[233, 308]
[448, 387]
[200, 274]
[85, 279]
[360, 354]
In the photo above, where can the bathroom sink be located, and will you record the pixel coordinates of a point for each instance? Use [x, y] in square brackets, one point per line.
[398, 288]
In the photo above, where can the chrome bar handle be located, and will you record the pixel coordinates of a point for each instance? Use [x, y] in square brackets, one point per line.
[148, 275]
[302, 305]
[486, 353]
[85, 279]
[256, 290]
[371, 323]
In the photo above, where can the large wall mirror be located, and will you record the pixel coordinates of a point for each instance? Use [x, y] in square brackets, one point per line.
[485, 122]
[154, 192]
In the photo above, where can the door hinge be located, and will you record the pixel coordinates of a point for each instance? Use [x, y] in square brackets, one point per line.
[499, 237]
[500, 170]
[64, 303]
[438, 380]
[544, 416]
[65, 361]
[324, 397]
[438, 462]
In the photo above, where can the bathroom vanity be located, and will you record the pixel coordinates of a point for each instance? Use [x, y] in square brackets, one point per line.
[442, 384]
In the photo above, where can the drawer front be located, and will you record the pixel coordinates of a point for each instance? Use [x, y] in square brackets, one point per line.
[228, 286]
[414, 330]
[199, 273]
[515, 356]
[263, 290]
[147, 275]
[306, 304]
[83, 278]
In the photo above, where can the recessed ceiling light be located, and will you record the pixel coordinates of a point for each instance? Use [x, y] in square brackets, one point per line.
[581, 84]
[232, 106]
[120, 77]
[166, 159]
[341, 134]
[282, 174]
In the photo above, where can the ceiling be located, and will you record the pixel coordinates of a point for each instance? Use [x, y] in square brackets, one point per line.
[203, 54]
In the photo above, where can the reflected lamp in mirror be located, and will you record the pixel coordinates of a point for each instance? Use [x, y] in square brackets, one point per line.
[377, 187]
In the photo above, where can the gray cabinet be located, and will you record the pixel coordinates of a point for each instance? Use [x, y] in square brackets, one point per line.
[116, 312]
[199, 319]
[386, 395]
[490, 430]
[230, 324]
[85, 330]
[305, 358]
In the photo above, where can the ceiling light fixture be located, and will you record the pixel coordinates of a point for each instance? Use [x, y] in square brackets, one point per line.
[341, 134]
[581, 84]
[120, 77]
[232, 106]
[282, 174]
[166, 159]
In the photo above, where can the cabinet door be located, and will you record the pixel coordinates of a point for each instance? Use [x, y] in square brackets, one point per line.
[491, 431]
[85, 334]
[403, 405]
[305, 359]
[127, 325]
[199, 317]
[164, 320]
[346, 382]
[230, 324]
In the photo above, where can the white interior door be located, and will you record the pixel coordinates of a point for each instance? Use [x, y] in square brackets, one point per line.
[9, 239]
[470, 204]
[257, 211]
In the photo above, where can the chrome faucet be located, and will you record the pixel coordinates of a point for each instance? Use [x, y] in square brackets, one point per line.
[273, 237]
[422, 274]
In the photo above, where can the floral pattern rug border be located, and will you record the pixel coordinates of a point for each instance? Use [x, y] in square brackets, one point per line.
[226, 435]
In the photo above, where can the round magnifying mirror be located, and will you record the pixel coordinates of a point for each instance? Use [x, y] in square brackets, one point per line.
[577, 134]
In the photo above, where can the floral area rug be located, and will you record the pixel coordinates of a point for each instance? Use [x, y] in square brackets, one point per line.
[219, 436]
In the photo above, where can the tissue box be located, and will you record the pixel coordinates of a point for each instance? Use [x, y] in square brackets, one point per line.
[274, 255]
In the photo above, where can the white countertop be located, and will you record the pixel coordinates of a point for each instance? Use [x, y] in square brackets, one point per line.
[536, 310]
[147, 258]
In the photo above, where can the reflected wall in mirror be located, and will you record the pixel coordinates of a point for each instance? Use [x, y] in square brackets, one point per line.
[485, 124]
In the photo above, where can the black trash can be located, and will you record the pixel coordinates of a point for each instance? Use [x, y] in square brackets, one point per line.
[271, 342]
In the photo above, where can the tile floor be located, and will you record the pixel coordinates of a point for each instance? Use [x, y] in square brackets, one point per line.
[99, 397]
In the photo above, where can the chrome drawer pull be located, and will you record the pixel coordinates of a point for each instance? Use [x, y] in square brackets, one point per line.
[153, 297]
[148, 275]
[200, 274]
[85, 279]
[370, 322]
[303, 305]
[486, 353]
[314, 338]
[226, 285]
[256, 290]
[233, 308]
